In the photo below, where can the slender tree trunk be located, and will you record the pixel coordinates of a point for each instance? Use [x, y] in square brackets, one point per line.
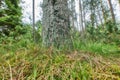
[34, 21]
[84, 13]
[0, 7]
[0, 3]
[73, 16]
[56, 26]
[103, 12]
[112, 11]
[80, 15]
[73, 12]
[84, 20]
[92, 15]
[99, 15]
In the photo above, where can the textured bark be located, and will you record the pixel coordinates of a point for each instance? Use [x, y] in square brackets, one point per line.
[56, 27]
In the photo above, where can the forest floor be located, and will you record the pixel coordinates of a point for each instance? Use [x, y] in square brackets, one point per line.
[35, 63]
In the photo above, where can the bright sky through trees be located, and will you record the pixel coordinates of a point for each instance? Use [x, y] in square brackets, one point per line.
[27, 10]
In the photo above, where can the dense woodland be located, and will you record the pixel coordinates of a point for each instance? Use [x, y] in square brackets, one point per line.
[66, 44]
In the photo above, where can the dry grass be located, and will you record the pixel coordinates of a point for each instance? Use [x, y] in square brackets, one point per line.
[35, 63]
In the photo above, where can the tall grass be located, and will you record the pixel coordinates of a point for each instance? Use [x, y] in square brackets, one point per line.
[24, 60]
[37, 63]
[95, 47]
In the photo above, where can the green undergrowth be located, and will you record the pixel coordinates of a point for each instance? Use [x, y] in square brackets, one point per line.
[97, 47]
[34, 62]
[22, 59]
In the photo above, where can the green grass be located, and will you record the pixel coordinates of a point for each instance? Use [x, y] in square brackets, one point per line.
[97, 47]
[88, 60]
[37, 63]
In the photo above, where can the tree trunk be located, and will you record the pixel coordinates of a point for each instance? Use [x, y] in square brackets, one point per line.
[99, 15]
[112, 11]
[56, 26]
[81, 15]
[0, 7]
[34, 38]
[92, 15]
[0, 3]
[84, 14]
[103, 13]
[72, 9]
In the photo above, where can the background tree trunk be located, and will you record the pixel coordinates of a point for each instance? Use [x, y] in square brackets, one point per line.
[0, 7]
[81, 15]
[103, 13]
[33, 24]
[112, 11]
